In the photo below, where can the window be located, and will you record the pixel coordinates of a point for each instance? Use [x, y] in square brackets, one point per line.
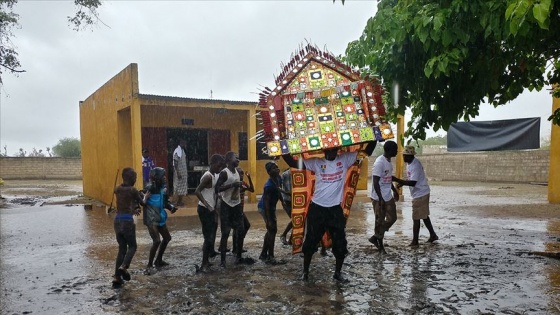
[243, 146]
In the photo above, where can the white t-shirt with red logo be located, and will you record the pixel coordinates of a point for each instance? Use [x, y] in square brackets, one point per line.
[415, 172]
[330, 177]
[384, 169]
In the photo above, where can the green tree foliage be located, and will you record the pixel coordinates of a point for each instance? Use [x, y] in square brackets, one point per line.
[86, 15]
[67, 147]
[449, 56]
[8, 55]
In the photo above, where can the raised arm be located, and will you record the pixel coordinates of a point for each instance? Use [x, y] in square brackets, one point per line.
[370, 147]
[289, 159]
[251, 187]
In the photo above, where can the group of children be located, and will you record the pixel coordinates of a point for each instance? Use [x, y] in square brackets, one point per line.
[221, 199]
[155, 201]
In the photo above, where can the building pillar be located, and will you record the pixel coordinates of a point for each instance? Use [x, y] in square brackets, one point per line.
[554, 169]
[136, 141]
[252, 147]
[399, 162]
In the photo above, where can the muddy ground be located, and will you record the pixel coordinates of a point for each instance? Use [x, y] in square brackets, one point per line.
[57, 257]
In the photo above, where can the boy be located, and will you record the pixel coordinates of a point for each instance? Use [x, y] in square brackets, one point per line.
[128, 201]
[231, 214]
[382, 193]
[420, 192]
[207, 206]
[267, 208]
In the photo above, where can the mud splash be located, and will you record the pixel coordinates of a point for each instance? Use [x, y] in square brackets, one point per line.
[57, 259]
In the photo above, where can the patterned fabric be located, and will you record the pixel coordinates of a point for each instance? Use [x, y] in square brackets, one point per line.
[180, 186]
[303, 182]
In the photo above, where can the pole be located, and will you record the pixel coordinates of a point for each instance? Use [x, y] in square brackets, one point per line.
[399, 158]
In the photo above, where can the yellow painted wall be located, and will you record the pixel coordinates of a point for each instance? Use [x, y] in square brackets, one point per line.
[554, 171]
[100, 134]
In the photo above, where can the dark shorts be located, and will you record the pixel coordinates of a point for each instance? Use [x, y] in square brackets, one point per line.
[321, 219]
[231, 217]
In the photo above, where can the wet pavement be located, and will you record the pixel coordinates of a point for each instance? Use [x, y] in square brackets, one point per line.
[58, 259]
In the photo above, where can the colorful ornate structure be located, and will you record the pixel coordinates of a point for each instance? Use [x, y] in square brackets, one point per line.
[318, 103]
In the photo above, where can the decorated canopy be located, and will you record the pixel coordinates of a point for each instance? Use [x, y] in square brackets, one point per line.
[319, 103]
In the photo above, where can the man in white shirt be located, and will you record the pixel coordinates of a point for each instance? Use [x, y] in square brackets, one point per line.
[382, 192]
[420, 193]
[325, 210]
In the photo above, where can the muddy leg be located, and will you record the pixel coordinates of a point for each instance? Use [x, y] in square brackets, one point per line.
[122, 252]
[216, 222]
[433, 235]
[264, 251]
[166, 239]
[285, 233]
[306, 263]
[338, 268]
[415, 232]
[156, 241]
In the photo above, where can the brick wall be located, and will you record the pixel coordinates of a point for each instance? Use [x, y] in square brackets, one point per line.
[40, 168]
[504, 166]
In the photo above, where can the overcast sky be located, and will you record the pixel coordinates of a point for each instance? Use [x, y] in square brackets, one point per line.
[183, 48]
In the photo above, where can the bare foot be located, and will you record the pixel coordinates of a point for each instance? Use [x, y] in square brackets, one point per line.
[375, 241]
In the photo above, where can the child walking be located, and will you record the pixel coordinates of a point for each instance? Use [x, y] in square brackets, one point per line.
[128, 201]
[155, 217]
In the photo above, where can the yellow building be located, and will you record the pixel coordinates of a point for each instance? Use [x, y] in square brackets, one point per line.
[116, 122]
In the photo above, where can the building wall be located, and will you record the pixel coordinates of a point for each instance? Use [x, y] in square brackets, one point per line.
[40, 168]
[101, 137]
[497, 166]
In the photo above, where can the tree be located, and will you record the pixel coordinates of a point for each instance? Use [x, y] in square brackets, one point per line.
[67, 147]
[448, 56]
[85, 16]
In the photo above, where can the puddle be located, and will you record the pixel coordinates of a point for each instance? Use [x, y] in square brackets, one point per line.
[59, 259]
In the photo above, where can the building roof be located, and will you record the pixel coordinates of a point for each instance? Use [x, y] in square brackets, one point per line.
[190, 99]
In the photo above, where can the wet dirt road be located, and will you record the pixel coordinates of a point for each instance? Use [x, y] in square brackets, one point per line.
[58, 259]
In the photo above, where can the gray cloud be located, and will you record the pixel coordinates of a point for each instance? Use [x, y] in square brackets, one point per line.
[183, 48]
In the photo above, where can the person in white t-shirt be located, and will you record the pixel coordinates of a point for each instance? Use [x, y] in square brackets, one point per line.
[382, 194]
[420, 193]
[205, 192]
[325, 210]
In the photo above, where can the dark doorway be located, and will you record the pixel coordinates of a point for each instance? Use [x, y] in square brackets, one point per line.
[196, 150]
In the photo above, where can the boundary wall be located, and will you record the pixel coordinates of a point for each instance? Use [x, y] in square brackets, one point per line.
[496, 166]
[40, 168]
